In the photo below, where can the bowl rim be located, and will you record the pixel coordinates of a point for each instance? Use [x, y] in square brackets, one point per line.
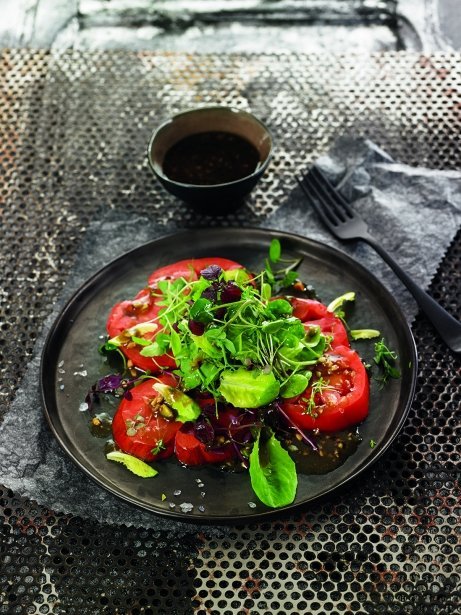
[259, 168]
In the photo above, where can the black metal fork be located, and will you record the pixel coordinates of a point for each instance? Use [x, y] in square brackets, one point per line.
[338, 216]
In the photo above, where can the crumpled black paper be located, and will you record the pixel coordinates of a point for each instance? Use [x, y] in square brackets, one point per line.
[414, 212]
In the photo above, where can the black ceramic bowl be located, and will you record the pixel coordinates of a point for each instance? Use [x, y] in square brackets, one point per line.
[212, 194]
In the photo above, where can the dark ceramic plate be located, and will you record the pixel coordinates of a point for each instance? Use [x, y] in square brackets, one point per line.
[71, 363]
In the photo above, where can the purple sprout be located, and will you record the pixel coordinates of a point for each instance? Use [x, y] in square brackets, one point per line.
[109, 383]
[212, 272]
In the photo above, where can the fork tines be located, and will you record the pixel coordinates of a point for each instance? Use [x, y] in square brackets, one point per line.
[332, 208]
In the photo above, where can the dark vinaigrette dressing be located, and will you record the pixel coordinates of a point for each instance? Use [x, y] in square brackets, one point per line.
[209, 158]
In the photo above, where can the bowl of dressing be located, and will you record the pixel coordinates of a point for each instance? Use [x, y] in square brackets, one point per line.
[210, 157]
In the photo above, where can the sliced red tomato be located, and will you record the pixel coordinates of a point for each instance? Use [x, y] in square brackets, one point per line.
[342, 402]
[127, 314]
[154, 365]
[190, 269]
[308, 309]
[312, 312]
[192, 452]
[139, 429]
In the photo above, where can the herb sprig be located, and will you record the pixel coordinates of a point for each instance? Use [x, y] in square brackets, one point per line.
[386, 361]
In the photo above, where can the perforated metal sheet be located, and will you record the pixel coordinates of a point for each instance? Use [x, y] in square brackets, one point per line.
[73, 128]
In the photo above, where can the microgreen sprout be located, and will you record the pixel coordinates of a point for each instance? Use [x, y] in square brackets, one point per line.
[385, 359]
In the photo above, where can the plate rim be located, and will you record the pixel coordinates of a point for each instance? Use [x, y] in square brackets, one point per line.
[265, 233]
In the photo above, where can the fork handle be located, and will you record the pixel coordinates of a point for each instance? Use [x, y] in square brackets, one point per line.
[448, 327]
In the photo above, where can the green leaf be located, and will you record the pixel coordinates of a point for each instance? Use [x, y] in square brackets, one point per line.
[272, 326]
[266, 291]
[133, 464]
[210, 372]
[275, 250]
[295, 385]
[279, 307]
[201, 311]
[198, 288]
[186, 408]
[364, 334]
[269, 273]
[272, 473]
[176, 345]
[239, 276]
[141, 341]
[248, 389]
[289, 279]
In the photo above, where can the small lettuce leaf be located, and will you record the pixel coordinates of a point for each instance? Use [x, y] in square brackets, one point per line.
[248, 389]
[272, 473]
[133, 464]
[364, 334]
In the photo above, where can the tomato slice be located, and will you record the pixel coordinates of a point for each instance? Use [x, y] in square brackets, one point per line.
[312, 312]
[308, 309]
[127, 314]
[342, 403]
[190, 269]
[192, 452]
[138, 427]
[154, 365]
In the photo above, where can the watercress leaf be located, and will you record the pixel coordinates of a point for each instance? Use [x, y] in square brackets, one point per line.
[135, 465]
[191, 380]
[295, 385]
[175, 343]
[289, 279]
[279, 307]
[266, 291]
[198, 288]
[275, 250]
[295, 327]
[272, 326]
[290, 341]
[272, 473]
[269, 273]
[229, 345]
[239, 276]
[186, 408]
[201, 311]
[210, 372]
[215, 334]
[248, 389]
[206, 346]
[141, 341]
